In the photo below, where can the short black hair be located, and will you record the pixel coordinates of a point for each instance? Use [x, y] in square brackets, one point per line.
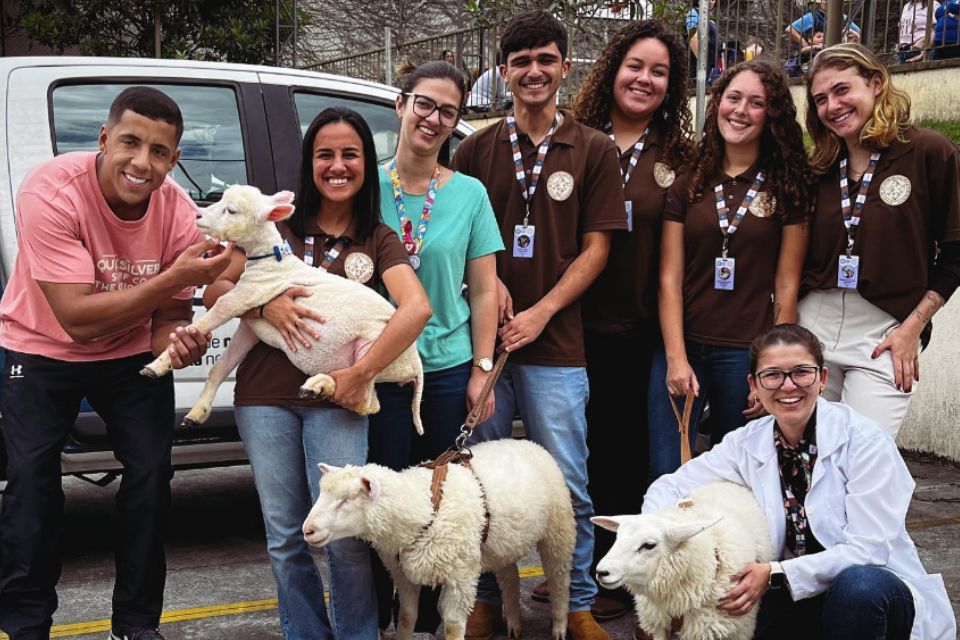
[149, 103]
[532, 29]
[366, 204]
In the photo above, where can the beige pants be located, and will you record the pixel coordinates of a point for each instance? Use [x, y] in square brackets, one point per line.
[850, 328]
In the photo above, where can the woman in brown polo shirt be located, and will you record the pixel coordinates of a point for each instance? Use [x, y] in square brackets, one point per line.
[732, 250]
[336, 226]
[636, 94]
[885, 242]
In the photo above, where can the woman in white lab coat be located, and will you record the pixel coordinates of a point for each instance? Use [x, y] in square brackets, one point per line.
[835, 491]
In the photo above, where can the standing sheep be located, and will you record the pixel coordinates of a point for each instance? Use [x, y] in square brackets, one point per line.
[679, 561]
[355, 315]
[513, 487]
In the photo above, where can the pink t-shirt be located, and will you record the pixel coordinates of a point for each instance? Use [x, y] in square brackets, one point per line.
[68, 234]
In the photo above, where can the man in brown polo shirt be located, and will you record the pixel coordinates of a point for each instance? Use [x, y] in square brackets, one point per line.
[555, 188]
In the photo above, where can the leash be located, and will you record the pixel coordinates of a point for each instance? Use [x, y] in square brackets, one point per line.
[683, 422]
[459, 453]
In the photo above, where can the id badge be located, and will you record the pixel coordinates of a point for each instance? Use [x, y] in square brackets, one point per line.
[724, 270]
[848, 272]
[523, 241]
[629, 206]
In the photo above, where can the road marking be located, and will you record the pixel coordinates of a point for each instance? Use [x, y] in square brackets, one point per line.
[212, 611]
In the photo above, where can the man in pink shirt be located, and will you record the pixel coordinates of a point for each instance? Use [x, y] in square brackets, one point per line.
[109, 254]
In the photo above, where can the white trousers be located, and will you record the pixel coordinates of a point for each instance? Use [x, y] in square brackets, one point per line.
[850, 328]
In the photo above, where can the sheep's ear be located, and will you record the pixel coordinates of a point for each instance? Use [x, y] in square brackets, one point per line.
[278, 212]
[283, 197]
[610, 523]
[371, 487]
[327, 468]
[679, 533]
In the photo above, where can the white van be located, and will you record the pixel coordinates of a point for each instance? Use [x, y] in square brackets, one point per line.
[243, 124]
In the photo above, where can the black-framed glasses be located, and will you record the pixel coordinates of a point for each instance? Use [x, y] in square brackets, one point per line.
[424, 107]
[802, 376]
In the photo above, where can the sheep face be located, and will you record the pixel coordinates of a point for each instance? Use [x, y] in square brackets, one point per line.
[643, 543]
[341, 509]
[240, 214]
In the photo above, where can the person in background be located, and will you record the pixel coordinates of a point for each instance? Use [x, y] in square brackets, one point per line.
[734, 237]
[636, 94]
[557, 206]
[335, 227]
[447, 227]
[835, 491]
[692, 28]
[108, 256]
[946, 31]
[449, 57]
[802, 30]
[886, 189]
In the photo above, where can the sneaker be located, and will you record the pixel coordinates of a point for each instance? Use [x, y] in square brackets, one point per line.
[134, 633]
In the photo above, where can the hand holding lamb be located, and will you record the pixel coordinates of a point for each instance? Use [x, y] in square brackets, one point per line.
[681, 562]
[354, 315]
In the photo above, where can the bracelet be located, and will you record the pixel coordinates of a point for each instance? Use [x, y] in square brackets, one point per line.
[261, 309]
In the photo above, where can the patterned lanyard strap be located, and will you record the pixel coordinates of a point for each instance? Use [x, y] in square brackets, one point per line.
[537, 167]
[851, 216]
[328, 256]
[634, 157]
[410, 243]
[727, 227]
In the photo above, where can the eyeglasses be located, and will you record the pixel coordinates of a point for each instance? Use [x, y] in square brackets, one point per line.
[773, 379]
[424, 107]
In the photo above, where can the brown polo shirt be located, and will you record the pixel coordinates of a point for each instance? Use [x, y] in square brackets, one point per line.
[895, 240]
[727, 318]
[266, 376]
[624, 298]
[594, 202]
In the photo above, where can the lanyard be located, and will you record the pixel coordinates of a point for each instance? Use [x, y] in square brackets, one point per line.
[537, 167]
[328, 256]
[411, 244]
[635, 157]
[729, 228]
[851, 219]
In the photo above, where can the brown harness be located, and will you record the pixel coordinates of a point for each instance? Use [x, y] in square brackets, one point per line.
[460, 454]
[683, 423]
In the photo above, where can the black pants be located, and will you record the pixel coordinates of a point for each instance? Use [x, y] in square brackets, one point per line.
[41, 400]
[617, 434]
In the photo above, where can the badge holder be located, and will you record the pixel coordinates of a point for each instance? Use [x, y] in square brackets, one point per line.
[523, 237]
[724, 269]
[848, 271]
[628, 204]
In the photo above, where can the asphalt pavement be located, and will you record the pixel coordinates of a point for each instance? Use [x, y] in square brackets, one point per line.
[220, 585]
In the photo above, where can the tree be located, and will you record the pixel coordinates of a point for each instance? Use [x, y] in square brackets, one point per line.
[234, 31]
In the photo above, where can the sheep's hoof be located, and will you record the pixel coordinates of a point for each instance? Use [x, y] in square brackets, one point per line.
[310, 394]
[189, 422]
[147, 372]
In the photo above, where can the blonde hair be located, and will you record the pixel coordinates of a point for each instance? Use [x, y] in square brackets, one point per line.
[891, 111]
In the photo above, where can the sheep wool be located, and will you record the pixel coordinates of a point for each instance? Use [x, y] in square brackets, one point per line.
[679, 561]
[516, 482]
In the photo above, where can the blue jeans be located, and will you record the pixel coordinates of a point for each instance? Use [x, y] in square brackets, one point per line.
[722, 373]
[395, 444]
[284, 445]
[552, 403]
[863, 603]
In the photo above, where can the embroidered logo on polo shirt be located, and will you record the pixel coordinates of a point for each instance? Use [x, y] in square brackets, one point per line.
[663, 175]
[763, 205]
[560, 185]
[358, 267]
[895, 190]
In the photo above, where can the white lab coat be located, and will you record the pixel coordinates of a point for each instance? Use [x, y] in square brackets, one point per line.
[856, 506]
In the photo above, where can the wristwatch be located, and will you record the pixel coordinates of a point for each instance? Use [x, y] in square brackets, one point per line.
[778, 579]
[485, 364]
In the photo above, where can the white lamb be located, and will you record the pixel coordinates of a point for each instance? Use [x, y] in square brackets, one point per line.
[354, 314]
[678, 562]
[516, 482]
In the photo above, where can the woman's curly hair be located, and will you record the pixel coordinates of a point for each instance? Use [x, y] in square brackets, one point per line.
[673, 119]
[782, 155]
[891, 111]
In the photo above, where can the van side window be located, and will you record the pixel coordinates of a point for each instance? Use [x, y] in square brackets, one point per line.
[211, 150]
[381, 118]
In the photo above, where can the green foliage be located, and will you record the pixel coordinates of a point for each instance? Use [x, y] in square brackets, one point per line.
[234, 31]
[949, 129]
